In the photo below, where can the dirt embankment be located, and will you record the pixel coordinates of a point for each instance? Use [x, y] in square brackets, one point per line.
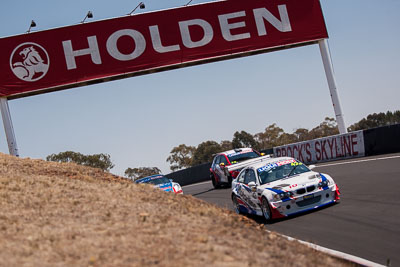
[55, 214]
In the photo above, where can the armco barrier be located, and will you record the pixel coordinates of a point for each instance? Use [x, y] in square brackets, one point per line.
[196, 174]
[382, 140]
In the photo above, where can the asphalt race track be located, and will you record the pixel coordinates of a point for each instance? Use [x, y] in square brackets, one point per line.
[366, 223]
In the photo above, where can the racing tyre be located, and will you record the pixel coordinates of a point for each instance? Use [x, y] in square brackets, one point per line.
[235, 204]
[266, 210]
[214, 182]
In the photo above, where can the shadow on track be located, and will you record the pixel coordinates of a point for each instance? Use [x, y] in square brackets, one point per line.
[212, 189]
[261, 220]
[203, 192]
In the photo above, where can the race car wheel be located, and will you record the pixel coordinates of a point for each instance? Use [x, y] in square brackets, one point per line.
[235, 204]
[214, 182]
[266, 210]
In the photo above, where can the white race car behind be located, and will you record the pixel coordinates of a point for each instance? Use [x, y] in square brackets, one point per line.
[280, 187]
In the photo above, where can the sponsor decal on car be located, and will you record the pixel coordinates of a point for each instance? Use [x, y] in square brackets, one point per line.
[276, 164]
[243, 151]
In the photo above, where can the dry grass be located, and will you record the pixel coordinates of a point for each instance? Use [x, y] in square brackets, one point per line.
[55, 214]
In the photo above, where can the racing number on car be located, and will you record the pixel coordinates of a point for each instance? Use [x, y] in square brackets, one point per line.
[296, 163]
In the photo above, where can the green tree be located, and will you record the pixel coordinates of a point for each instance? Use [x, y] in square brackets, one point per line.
[204, 152]
[286, 138]
[270, 137]
[244, 139]
[226, 145]
[376, 120]
[302, 134]
[327, 128]
[137, 173]
[101, 161]
[181, 157]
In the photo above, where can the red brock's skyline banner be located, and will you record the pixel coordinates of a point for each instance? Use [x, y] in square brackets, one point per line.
[122, 47]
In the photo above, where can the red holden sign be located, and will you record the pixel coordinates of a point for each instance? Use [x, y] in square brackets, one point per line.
[132, 45]
[343, 146]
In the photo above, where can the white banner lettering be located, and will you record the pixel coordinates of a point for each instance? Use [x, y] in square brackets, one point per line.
[344, 146]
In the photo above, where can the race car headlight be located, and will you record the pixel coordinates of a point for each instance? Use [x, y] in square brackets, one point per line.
[323, 183]
[315, 176]
[177, 188]
[283, 195]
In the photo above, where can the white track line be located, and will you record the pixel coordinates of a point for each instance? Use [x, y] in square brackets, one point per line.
[357, 161]
[336, 253]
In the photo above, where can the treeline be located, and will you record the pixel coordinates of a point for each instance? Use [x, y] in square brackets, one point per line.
[376, 120]
[184, 156]
[100, 161]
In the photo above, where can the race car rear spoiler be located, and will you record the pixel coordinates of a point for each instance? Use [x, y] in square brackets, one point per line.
[241, 165]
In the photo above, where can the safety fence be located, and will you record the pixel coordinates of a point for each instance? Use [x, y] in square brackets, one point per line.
[196, 174]
[382, 140]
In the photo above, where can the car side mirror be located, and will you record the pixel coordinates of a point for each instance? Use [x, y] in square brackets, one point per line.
[253, 186]
[312, 167]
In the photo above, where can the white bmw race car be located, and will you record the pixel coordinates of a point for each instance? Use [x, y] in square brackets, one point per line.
[280, 187]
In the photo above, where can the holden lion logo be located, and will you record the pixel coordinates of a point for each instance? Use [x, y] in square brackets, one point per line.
[29, 62]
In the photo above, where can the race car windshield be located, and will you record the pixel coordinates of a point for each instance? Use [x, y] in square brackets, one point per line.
[241, 157]
[161, 180]
[268, 175]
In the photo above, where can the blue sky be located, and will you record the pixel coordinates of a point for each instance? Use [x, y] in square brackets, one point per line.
[139, 120]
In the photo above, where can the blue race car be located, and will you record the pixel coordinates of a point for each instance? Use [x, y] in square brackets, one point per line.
[162, 182]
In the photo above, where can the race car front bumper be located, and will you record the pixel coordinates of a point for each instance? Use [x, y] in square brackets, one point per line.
[304, 203]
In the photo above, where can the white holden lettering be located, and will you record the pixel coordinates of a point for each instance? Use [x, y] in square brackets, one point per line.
[138, 38]
[261, 14]
[226, 27]
[185, 33]
[157, 44]
[70, 54]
